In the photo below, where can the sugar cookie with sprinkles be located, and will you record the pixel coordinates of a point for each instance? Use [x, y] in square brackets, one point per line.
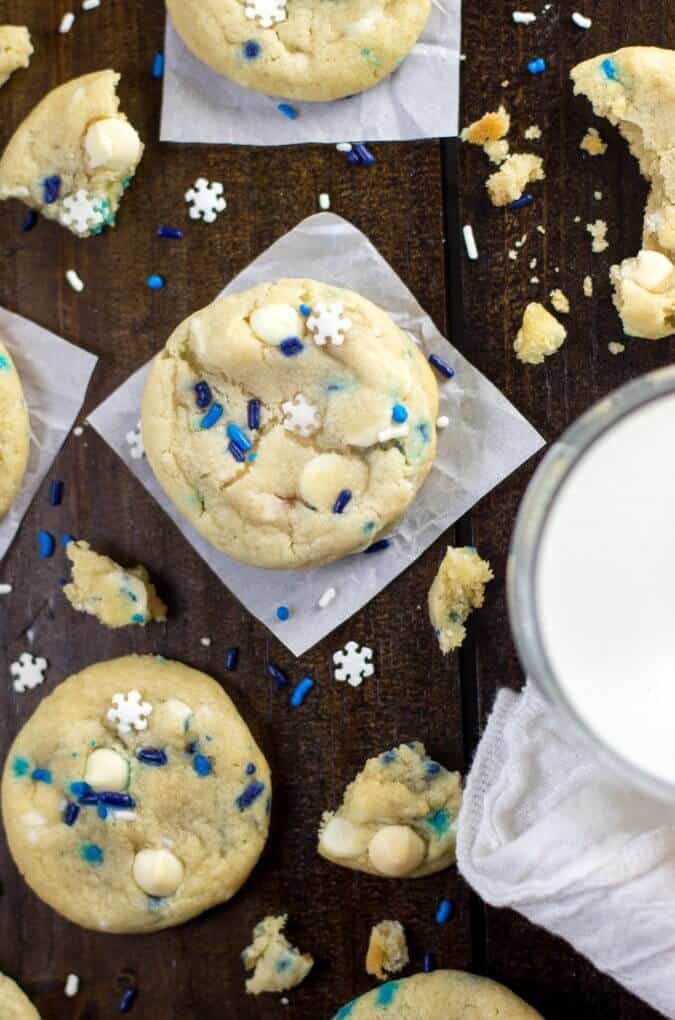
[14, 1004]
[397, 818]
[292, 424]
[135, 797]
[301, 49]
[442, 995]
[14, 431]
[74, 155]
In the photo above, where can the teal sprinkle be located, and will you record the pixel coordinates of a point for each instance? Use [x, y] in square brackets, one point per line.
[283, 964]
[252, 456]
[371, 57]
[21, 767]
[138, 618]
[155, 902]
[386, 993]
[346, 1011]
[130, 594]
[91, 853]
[609, 69]
[423, 430]
[439, 822]
[388, 757]
[4, 364]
[369, 527]
[127, 181]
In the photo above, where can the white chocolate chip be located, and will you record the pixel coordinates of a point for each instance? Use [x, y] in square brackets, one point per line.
[340, 838]
[274, 323]
[112, 143]
[177, 713]
[33, 818]
[157, 872]
[107, 770]
[325, 476]
[396, 850]
[650, 270]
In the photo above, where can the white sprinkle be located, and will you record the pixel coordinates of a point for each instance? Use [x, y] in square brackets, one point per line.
[597, 195]
[123, 815]
[581, 21]
[67, 22]
[78, 430]
[284, 1001]
[519, 244]
[72, 986]
[5, 589]
[89, 5]
[442, 422]
[344, 146]
[470, 241]
[393, 432]
[524, 17]
[30, 635]
[327, 597]
[534, 279]
[533, 263]
[74, 280]
[324, 200]
[541, 229]
[206, 641]
[577, 219]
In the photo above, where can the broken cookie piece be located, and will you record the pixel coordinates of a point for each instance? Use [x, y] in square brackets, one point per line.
[115, 596]
[560, 301]
[592, 143]
[457, 589]
[387, 950]
[539, 336]
[508, 183]
[276, 964]
[16, 50]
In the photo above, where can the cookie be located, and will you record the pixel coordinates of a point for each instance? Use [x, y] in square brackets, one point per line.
[14, 431]
[74, 155]
[634, 89]
[291, 424]
[387, 950]
[135, 797]
[301, 49]
[442, 995]
[457, 589]
[397, 818]
[277, 965]
[116, 596]
[15, 50]
[14, 1005]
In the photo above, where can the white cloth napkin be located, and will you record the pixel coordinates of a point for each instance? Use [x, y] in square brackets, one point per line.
[549, 832]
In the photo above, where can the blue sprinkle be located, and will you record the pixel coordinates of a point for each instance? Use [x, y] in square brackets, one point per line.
[341, 502]
[537, 66]
[305, 310]
[368, 527]
[91, 853]
[155, 281]
[158, 65]
[236, 451]
[283, 964]
[441, 366]
[71, 813]
[364, 155]
[518, 203]
[353, 158]
[127, 1000]
[301, 691]
[111, 798]
[443, 911]
[171, 232]
[433, 768]
[239, 437]
[203, 394]
[283, 613]
[388, 757]
[251, 457]
[251, 49]
[277, 674]
[288, 111]
[399, 413]
[41, 775]
[250, 769]
[253, 414]
[439, 822]
[101, 811]
[66, 539]
[79, 787]
[609, 69]
[429, 963]
[191, 747]
[231, 659]
[201, 765]
[21, 767]
[51, 187]
[45, 544]
[385, 993]
[346, 1011]
[383, 543]
[152, 756]
[423, 430]
[291, 346]
[55, 493]
[30, 221]
[88, 799]
[250, 794]
[213, 415]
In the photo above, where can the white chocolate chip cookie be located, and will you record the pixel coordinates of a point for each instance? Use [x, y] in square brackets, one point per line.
[15, 50]
[14, 1005]
[277, 965]
[292, 424]
[74, 155]
[135, 797]
[397, 818]
[301, 49]
[634, 89]
[457, 589]
[114, 595]
[14, 432]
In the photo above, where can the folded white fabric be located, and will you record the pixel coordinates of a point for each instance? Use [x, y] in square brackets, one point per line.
[546, 830]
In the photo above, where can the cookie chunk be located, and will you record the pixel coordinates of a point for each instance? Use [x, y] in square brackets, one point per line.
[15, 50]
[539, 336]
[74, 155]
[135, 797]
[276, 964]
[114, 595]
[634, 89]
[14, 1005]
[443, 995]
[14, 432]
[292, 424]
[457, 589]
[387, 950]
[398, 817]
[311, 50]
[508, 183]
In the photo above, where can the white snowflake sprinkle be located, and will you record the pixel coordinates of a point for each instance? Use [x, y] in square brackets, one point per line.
[300, 416]
[329, 324]
[81, 211]
[353, 664]
[134, 440]
[28, 672]
[205, 199]
[266, 12]
[130, 713]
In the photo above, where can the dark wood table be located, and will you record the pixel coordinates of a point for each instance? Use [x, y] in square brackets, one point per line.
[411, 204]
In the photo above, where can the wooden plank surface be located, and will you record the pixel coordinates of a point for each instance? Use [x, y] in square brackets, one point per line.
[404, 204]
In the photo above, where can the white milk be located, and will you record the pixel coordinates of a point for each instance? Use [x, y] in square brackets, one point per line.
[605, 587]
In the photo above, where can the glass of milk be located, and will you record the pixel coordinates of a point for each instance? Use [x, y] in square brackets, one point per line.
[591, 580]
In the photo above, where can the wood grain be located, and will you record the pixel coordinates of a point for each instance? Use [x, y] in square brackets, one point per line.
[407, 205]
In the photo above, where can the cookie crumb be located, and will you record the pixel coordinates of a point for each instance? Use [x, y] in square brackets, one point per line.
[533, 133]
[539, 336]
[277, 965]
[588, 286]
[598, 231]
[457, 589]
[597, 195]
[491, 127]
[387, 950]
[592, 143]
[616, 348]
[508, 183]
[560, 301]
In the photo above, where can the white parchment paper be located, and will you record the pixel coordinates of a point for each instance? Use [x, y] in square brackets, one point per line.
[54, 375]
[420, 100]
[486, 440]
